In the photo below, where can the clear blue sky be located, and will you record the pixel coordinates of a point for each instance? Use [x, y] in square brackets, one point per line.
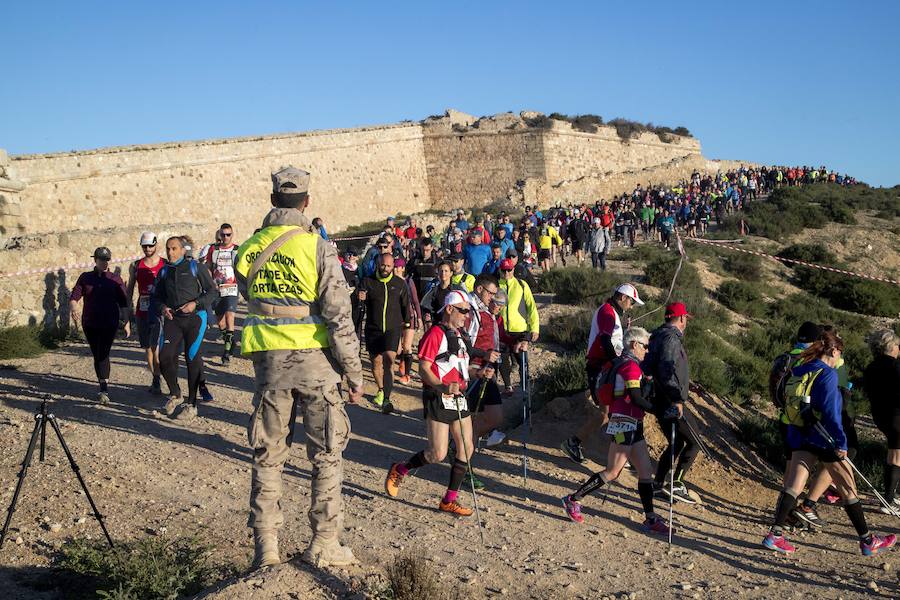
[774, 82]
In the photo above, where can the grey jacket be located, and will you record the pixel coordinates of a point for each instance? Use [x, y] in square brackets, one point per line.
[599, 242]
[667, 363]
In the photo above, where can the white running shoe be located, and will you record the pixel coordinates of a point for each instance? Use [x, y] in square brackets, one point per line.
[894, 504]
[495, 438]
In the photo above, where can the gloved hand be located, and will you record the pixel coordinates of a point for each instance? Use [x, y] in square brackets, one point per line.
[673, 412]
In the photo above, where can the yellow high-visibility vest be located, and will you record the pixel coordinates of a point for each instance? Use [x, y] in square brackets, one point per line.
[282, 310]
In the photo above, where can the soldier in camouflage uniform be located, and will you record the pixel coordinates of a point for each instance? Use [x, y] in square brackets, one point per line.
[299, 334]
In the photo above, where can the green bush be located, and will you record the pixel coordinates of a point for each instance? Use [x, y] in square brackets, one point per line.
[574, 285]
[562, 377]
[844, 292]
[27, 341]
[149, 568]
[742, 297]
[745, 267]
[660, 270]
[570, 331]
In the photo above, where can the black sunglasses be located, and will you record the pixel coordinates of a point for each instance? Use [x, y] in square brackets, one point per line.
[226, 235]
[148, 245]
[462, 311]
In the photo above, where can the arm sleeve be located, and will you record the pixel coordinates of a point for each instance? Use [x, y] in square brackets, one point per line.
[132, 280]
[159, 290]
[208, 290]
[414, 302]
[667, 375]
[830, 407]
[121, 294]
[78, 290]
[334, 307]
[404, 302]
[534, 324]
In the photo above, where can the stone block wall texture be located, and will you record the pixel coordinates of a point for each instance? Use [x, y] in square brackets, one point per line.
[55, 208]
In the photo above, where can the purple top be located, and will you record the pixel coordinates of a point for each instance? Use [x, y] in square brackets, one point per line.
[103, 293]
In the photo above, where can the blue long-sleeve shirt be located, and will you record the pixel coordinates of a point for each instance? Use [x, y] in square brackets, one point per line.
[476, 257]
[827, 403]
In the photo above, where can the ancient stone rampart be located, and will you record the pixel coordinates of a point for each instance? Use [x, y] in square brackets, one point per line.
[55, 208]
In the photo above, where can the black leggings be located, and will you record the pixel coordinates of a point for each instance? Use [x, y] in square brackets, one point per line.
[100, 339]
[686, 446]
[506, 362]
[188, 329]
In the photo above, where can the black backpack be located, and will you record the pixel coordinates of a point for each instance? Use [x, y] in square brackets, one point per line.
[778, 378]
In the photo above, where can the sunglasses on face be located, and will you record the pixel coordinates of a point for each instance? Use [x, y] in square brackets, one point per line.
[148, 245]
[462, 311]
[226, 235]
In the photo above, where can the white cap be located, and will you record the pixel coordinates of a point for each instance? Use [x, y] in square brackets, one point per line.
[597, 220]
[626, 289]
[148, 238]
[455, 297]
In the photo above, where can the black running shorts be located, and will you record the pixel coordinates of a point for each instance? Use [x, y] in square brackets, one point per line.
[434, 410]
[379, 342]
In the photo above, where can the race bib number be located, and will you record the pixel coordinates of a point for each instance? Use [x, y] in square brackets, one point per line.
[144, 303]
[228, 290]
[451, 402]
[621, 426]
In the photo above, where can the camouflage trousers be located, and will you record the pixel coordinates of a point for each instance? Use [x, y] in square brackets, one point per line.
[271, 432]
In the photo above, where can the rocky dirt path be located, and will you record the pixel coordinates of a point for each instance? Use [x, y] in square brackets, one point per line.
[159, 477]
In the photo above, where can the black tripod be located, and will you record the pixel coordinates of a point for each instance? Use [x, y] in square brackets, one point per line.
[40, 427]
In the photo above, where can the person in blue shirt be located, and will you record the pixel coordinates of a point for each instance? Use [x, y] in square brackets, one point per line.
[492, 266]
[504, 238]
[666, 227]
[476, 253]
[821, 440]
[505, 224]
[461, 221]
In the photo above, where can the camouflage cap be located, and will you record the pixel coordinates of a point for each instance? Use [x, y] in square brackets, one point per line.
[290, 180]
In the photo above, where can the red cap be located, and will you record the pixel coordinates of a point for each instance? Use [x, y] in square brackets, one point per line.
[506, 265]
[677, 309]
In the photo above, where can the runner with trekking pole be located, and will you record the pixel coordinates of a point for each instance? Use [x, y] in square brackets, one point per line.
[622, 386]
[667, 364]
[815, 434]
[444, 369]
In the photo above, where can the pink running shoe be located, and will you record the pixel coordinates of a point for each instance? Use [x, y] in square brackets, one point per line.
[657, 525]
[778, 544]
[877, 544]
[573, 509]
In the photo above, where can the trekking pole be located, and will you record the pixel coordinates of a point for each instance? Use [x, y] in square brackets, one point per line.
[469, 467]
[671, 483]
[700, 443]
[892, 510]
[526, 416]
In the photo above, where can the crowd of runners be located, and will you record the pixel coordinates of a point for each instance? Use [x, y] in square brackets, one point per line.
[467, 292]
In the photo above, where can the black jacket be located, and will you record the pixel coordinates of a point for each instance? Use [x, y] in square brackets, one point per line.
[177, 285]
[881, 382]
[387, 303]
[667, 363]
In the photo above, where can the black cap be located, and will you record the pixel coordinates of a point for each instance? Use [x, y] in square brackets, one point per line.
[102, 253]
[512, 252]
[457, 256]
[808, 333]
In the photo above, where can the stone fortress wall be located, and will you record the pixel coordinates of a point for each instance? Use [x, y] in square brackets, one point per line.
[55, 208]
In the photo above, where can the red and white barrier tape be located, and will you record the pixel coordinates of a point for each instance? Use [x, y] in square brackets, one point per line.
[796, 262]
[64, 268]
[347, 239]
